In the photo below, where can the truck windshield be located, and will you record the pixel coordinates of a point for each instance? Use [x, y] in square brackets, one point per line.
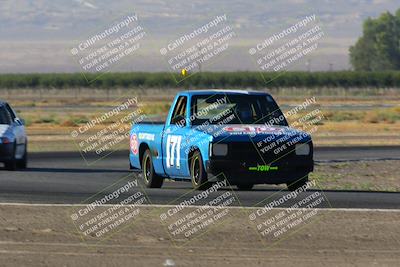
[235, 109]
[5, 117]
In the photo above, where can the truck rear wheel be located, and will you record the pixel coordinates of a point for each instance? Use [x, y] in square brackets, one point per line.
[197, 173]
[150, 178]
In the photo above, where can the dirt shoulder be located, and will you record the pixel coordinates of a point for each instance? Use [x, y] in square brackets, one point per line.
[46, 236]
[382, 175]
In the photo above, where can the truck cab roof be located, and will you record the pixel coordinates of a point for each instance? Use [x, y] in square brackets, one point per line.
[221, 91]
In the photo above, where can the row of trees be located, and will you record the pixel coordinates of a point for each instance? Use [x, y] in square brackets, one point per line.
[204, 80]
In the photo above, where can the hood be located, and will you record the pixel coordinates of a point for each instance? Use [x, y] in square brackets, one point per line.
[257, 132]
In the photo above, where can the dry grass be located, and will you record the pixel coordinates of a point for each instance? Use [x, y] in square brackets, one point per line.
[363, 175]
[357, 119]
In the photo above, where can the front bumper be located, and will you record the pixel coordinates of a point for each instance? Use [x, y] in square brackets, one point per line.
[237, 171]
[6, 152]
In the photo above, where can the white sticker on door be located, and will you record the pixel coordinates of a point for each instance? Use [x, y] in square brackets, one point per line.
[173, 151]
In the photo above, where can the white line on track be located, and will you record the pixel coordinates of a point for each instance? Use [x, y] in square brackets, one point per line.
[192, 206]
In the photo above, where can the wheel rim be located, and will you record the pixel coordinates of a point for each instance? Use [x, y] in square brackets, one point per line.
[196, 171]
[147, 169]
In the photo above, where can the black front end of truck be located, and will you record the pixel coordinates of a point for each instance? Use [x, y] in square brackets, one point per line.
[245, 163]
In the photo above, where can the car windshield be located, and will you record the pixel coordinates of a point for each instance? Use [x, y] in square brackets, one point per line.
[236, 109]
[5, 117]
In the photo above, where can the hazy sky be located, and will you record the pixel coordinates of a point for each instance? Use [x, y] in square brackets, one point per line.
[38, 35]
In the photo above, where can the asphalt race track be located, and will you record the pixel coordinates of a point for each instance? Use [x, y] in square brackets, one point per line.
[65, 177]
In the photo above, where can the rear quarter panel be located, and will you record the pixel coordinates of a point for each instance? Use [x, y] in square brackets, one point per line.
[149, 135]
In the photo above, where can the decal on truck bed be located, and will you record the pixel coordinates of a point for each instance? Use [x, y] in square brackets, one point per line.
[251, 129]
[134, 144]
[173, 147]
[146, 136]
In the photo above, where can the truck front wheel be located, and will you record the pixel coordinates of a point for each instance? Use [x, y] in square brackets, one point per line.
[150, 178]
[11, 164]
[245, 186]
[197, 173]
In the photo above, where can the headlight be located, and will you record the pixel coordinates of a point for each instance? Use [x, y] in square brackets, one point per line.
[219, 149]
[302, 149]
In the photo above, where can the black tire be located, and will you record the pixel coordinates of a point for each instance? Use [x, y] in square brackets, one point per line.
[23, 163]
[197, 173]
[11, 164]
[297, 184]
[150, 178]
[245, 187]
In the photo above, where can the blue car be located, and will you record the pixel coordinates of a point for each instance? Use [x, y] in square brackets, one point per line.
[13, 140]
[211, 135]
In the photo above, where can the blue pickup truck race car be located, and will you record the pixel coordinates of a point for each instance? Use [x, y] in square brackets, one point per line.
[210, 135]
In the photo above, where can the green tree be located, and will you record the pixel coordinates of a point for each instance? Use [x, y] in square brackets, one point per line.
[379, 47]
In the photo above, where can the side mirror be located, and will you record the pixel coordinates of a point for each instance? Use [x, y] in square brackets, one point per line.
[179, 120]
[19, 121]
